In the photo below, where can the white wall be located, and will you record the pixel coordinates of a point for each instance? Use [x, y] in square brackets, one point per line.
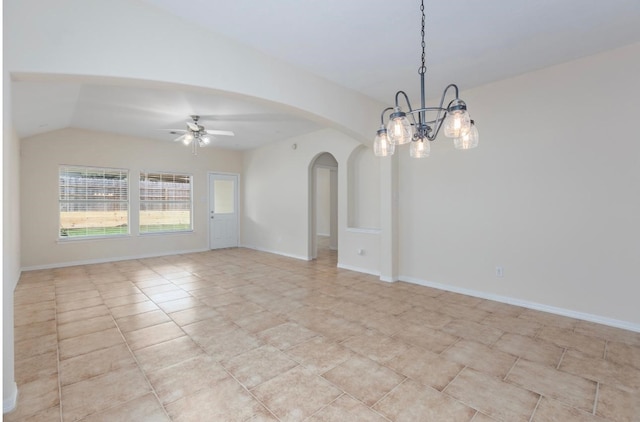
[364, 189]
[10, 243]
[276, 192]
[551, 193]
[41, 156]
[323, 201]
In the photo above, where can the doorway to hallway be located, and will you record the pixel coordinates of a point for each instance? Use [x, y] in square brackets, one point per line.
[323, 207]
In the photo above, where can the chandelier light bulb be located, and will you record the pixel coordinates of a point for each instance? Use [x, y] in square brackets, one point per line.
[468, 140]
[420, 148]
[399, 128]
[458, 121]
[382, 146]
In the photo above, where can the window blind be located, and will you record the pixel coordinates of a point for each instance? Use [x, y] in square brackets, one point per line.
[165, 202]
[93, 201]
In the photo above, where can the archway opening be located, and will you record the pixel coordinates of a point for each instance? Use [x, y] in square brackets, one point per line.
[323, 207]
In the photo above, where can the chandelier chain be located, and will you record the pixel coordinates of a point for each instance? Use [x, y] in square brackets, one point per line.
[423, 67]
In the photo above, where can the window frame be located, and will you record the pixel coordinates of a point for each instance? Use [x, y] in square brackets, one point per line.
[142, 202]
[70, 168]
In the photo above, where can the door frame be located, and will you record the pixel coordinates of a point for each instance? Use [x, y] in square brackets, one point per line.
[236, 204]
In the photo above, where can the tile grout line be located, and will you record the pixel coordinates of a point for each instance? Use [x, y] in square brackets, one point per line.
[452, 380]
[595, 401]
[564, 351]
[390, 391]
[344, 393]
[496, 340]
[248, 390]
[323, 407]
[458, 340]
[535, 408]
[511, 369]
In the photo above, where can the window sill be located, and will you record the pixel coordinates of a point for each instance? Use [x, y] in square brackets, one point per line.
[74, 239]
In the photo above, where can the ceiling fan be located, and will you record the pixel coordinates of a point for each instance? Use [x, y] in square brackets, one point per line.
[196, 135]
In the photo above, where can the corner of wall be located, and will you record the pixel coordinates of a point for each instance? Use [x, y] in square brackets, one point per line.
[10, 182]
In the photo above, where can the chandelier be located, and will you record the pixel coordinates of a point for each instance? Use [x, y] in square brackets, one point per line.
[422, 125]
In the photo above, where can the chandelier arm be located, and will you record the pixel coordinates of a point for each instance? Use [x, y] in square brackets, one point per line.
[382, 115]
[435, 123]
[444, 94]
[446, 89]
[418, 110]
[411, 115]
[406, 99]
[442, 112]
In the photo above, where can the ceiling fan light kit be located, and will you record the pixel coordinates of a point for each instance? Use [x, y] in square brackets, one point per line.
[197, 136]
[416, 128]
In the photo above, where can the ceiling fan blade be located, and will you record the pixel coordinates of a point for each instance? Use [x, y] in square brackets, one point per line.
[220, 132]
[180, 138]
[193, 126]
[174, 131]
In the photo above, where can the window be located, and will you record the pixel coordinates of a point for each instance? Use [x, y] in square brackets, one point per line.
[224, 196]
[94, 202]
[165, 202]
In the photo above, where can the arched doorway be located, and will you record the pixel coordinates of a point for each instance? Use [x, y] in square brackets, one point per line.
[323, 204]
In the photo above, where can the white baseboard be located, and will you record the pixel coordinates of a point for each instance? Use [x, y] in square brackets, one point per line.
[625, 325]
[358, 269]
[104, 260]
[288, 255]
[155, 255]
[9, 403]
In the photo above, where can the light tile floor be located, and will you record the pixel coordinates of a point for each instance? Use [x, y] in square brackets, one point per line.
[241, 335]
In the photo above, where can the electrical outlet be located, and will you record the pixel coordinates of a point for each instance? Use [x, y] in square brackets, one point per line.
[499, 271]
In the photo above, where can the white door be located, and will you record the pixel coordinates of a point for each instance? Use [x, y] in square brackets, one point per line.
[223, 211]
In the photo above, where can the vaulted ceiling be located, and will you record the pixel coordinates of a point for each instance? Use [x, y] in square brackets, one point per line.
[370, 46]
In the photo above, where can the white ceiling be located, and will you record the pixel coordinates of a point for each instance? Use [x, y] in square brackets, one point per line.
[371, 46]
[147, 112]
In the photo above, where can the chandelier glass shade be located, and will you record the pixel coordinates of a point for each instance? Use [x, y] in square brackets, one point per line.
[468, 140]
[421, 125]
[420, 148]
[383, 147]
